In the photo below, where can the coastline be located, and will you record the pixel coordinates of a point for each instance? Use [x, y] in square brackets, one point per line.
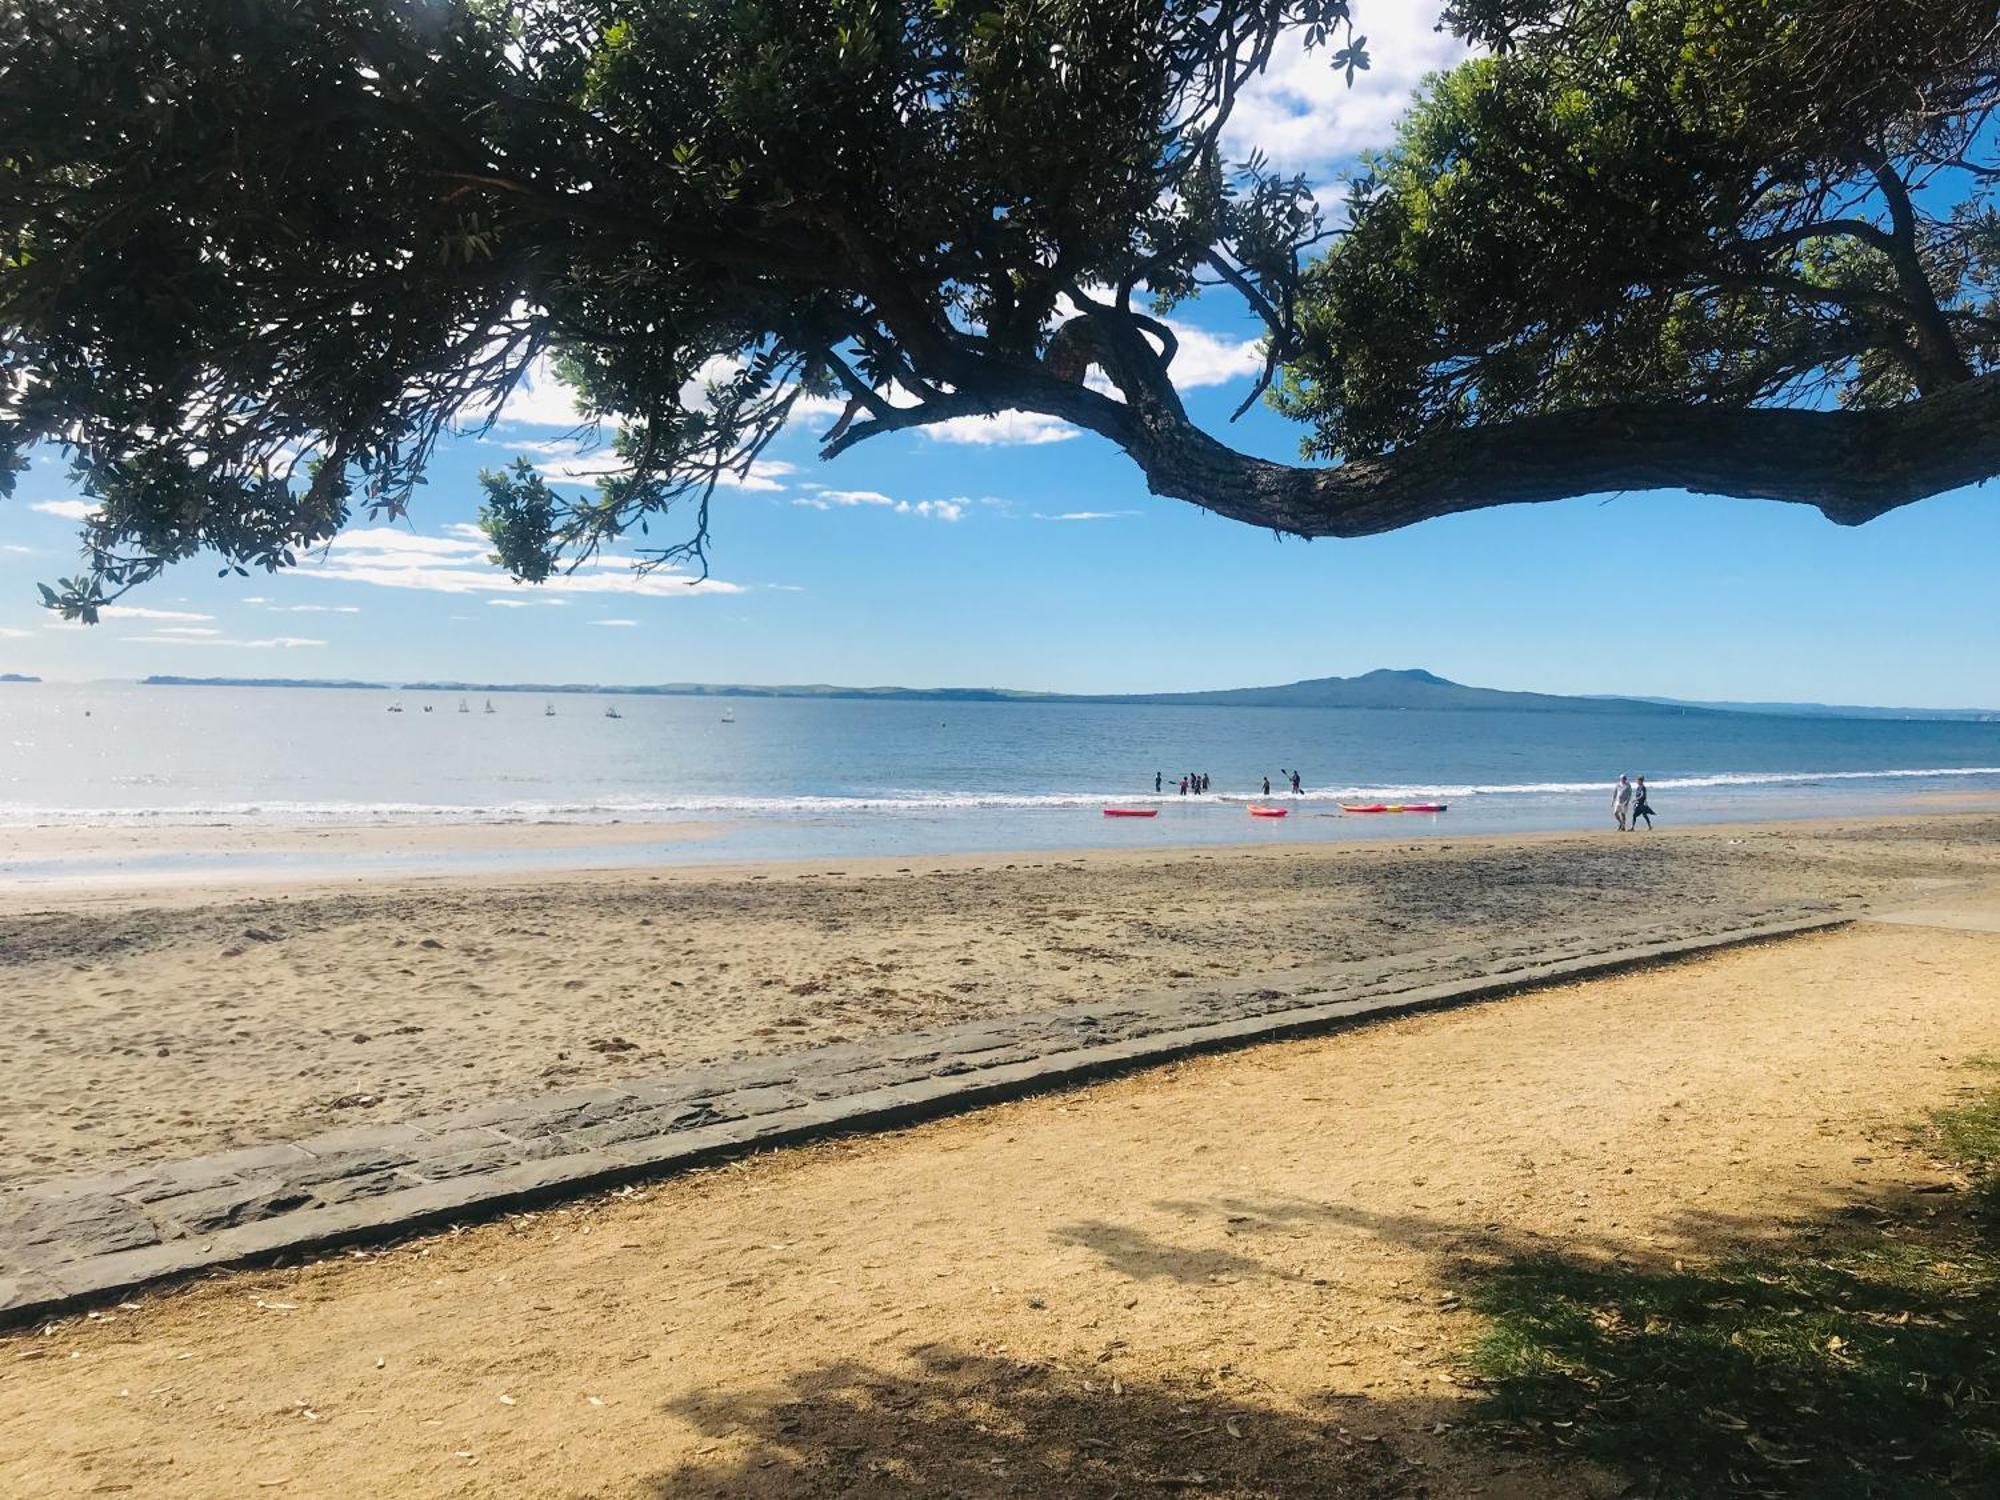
[195, 860]
[168, 1020]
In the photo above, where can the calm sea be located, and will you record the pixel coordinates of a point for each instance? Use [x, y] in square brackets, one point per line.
[810, 777]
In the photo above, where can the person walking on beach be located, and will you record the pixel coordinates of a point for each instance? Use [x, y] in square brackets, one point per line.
[1621, 801]
[1641, 808]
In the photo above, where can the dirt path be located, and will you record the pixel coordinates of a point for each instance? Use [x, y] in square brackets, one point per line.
[1240, 1269]
[143, 1032]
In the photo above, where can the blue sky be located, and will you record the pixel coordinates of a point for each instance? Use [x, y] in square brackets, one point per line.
[967, 559]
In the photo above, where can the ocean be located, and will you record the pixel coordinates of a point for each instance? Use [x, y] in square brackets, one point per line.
[817, 777]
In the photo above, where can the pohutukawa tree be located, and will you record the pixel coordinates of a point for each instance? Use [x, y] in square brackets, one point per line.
[258, 256]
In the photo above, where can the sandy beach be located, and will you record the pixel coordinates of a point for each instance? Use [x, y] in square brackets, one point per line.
[1246, 1276]
[155, 1024]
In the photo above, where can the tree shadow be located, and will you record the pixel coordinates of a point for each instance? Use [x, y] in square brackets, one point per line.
[982, 1427]
[1856, 1355]
[1140, 1256]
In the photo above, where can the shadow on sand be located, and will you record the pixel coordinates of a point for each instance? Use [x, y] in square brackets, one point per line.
[983, 1427]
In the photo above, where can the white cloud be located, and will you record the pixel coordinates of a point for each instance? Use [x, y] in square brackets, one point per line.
[528, 603]
[1088, 515]
[388, 557]
[186, 630]
[69, 510]
[619, 624]
[135, 612]
[8, 632]
[385, 542]
[272, 643]
[539, 399]
[826, 499]
[1205, 358]
[1303, 115]
[822, 498]
[314, 609]
[19, 550]
[583, 464]
[1011, 428]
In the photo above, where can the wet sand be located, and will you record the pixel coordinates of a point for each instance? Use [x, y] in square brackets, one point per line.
[1236, 1277]
[170, 1022]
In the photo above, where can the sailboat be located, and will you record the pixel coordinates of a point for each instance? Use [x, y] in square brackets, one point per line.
[729, 716]
[548, 710]
[395, 708]
[611, 711]
[464, 707]
[489, 705]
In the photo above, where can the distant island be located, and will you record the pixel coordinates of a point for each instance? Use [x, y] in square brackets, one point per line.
[262, 682]
[17, 677]
[1381, 689]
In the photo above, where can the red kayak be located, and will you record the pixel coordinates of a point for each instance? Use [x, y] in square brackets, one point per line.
[1131, 812]
[1269, 812]
[1394, 807]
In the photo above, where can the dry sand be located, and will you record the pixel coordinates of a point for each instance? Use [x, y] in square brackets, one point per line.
[143, 1026]
[1238, 1268]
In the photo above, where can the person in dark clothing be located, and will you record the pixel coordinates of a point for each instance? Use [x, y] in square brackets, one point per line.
[1641, 808]
[1295, 783]
[1267, 786]
[1158, 781]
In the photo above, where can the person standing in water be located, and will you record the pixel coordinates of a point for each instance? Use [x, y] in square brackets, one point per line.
[1267, 786]
[1641, 808]
[1158, 781]
[1621, 801]
[1295, 784]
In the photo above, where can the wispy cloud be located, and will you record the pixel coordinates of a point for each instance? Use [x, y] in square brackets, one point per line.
[138, 612]
[190, 630]
[821, 498]
[618, 624]
[8, 632]
[528, 603]
[18, 549]
[69, 510]
[388, 557]
[315, 609]
[1088, 515]
[272, 643]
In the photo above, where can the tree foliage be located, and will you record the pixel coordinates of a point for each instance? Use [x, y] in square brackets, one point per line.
[258, 256]
[1683, 202]
[288, 246]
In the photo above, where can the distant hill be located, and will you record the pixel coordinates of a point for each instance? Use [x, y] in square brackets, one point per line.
[1411, 688]
[1841, 711]
[1384, 688]
[1380, 689]
[17, 677]
[258, 682]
